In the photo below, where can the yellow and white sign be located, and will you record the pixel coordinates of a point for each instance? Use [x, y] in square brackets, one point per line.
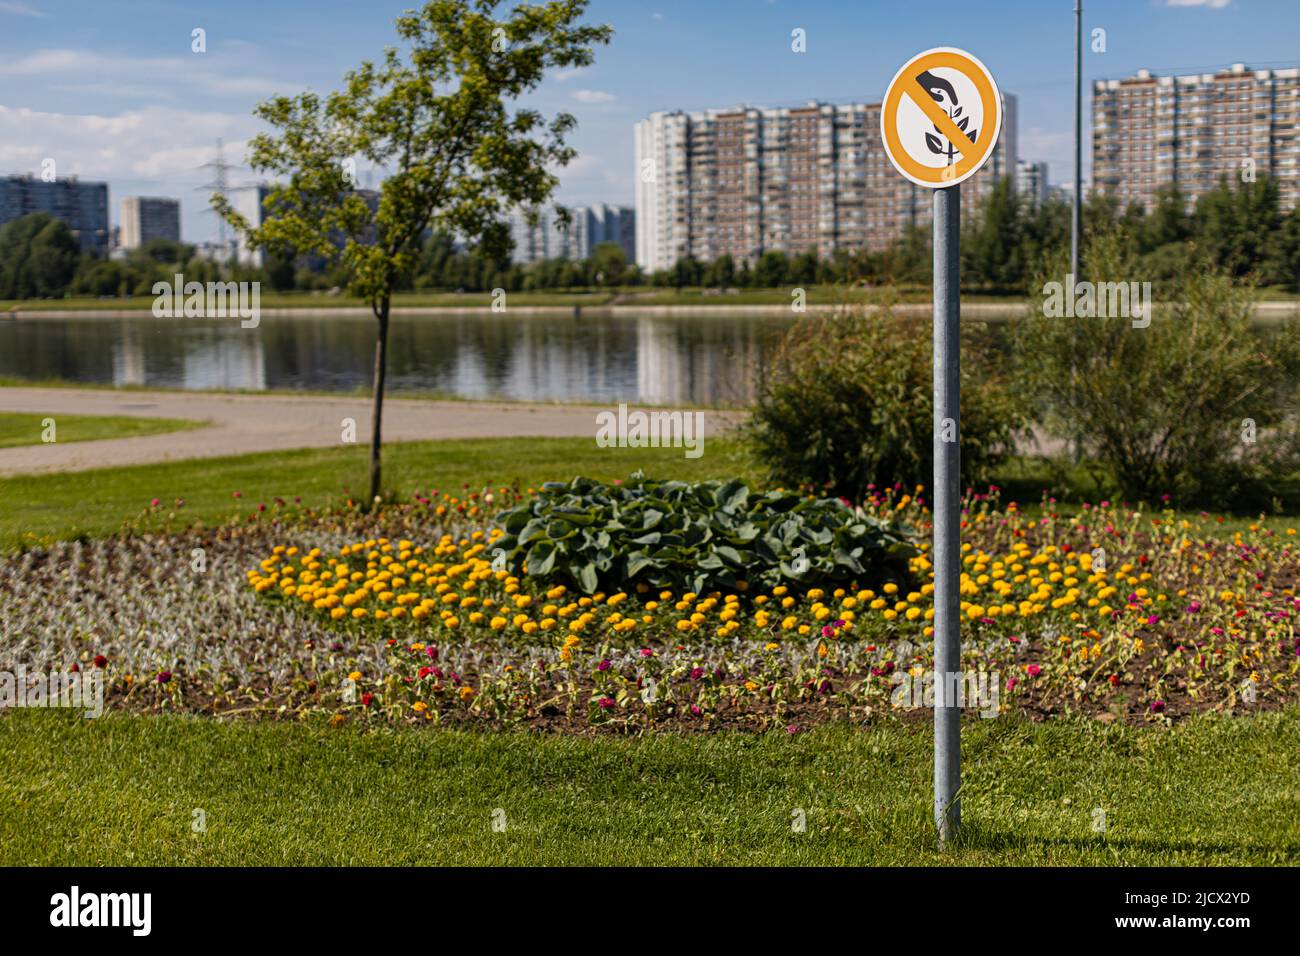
[941, 117]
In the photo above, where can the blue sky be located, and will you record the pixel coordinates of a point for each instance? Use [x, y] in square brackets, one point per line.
[111, 90]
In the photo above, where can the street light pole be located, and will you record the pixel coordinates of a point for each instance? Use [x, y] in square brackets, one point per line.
[1076, 212]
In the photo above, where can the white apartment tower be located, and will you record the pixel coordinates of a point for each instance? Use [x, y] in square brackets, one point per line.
[146, 218]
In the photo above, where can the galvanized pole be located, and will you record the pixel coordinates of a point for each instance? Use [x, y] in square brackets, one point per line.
[946, 551]
[1076, 212]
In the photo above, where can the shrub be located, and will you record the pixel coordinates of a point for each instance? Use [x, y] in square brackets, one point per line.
[849, 401]
[704, 536]
[1170, 408]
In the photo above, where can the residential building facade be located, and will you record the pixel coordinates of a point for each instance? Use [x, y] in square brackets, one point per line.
[1194, 130]
[82, 205]
[146, 218]
[588, 227]
[747, 180]
[1031, 181]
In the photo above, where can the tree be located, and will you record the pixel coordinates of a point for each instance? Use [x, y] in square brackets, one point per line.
[991, 250]
[38, 257]
[435, 116]
[53, 259]
[608, 263]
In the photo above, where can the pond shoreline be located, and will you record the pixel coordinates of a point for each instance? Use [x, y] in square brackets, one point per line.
[983, 311]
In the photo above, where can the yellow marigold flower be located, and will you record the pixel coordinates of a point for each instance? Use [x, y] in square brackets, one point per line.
[358, 612]
[419, 707]
[451, 623]
[750, 685]
[337, 613]
[466, 693]
[497, 623]
[355, 676]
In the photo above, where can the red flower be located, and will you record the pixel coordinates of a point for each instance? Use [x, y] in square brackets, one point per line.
[101, 660]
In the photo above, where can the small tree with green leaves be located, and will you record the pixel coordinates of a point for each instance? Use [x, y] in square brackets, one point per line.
[435, 116]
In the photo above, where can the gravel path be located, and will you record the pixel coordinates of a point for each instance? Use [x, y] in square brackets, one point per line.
[241, 424]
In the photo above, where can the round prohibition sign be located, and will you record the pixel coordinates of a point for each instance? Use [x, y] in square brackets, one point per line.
[931, 131]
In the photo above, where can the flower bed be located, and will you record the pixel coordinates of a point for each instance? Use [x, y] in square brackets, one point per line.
[1110, 612]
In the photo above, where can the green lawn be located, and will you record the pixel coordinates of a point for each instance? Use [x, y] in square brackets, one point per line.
[42, 508]
[27, 428]
[62, 506]
[123, 790]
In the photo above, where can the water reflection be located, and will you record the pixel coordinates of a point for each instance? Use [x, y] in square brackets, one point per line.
[707, 359]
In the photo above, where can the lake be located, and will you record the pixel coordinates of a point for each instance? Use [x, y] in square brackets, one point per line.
[651, 359]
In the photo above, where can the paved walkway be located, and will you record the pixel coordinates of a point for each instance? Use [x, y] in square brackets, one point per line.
[241, 424]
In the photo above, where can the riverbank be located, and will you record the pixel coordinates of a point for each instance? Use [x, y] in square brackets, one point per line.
[988, 312]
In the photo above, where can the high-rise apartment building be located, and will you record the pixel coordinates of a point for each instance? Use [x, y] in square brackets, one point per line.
[604, 223]
[588, 227]
[1031, 181]
[747, 180]
[146, 218]
[249, 201]
[1194, 129]
[82, 205]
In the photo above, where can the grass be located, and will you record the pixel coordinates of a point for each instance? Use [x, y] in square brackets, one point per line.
[26, 428]
[97, 502]
[1213, 791]
[49, 507]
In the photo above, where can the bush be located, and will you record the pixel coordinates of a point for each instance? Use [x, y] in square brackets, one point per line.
[705, 536]
[849, 401]
[1168, 409]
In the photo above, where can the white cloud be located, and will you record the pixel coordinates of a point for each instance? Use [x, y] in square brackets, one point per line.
[1212, 4]
[206, 73]
[161, 144]
[593, 96]
[19, 9]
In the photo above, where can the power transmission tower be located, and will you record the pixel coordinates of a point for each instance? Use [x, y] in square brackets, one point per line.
[220, 185]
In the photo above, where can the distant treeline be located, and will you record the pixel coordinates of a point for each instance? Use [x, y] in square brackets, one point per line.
[1007, 246]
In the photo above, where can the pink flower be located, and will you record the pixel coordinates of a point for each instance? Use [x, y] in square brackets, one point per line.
[604, 666]
[1033, 670]
[606, 703]
[646, 652]
[1157, 706]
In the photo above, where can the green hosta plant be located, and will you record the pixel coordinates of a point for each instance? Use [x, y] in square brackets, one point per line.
[704, 536]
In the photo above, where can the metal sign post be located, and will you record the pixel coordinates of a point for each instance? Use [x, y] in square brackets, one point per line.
[939, 123]
[947, 509]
